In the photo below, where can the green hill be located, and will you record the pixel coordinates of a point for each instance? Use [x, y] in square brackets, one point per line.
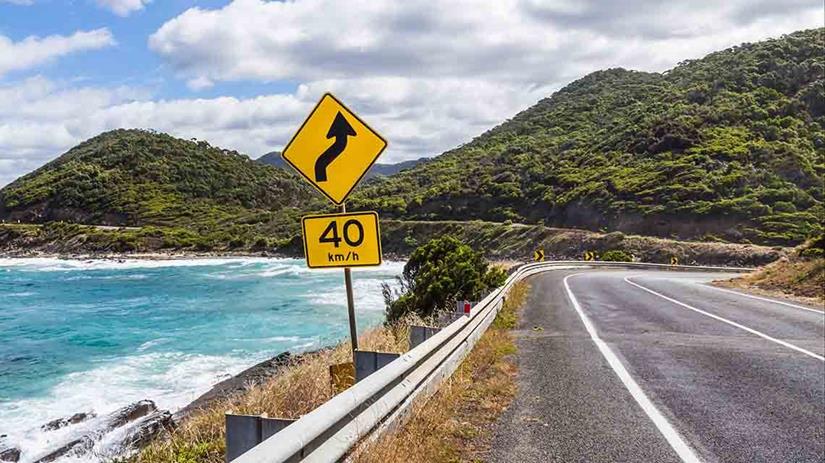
[729, 146]
[142, 178]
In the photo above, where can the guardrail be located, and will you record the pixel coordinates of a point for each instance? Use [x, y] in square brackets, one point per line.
[381, 401]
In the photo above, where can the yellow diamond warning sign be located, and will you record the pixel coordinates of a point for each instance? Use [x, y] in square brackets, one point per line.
[342, 240]
[333, 149]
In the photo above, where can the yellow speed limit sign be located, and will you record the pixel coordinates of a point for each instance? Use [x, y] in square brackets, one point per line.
[342, 240]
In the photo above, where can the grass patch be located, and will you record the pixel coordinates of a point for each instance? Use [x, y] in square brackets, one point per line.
[455, 425]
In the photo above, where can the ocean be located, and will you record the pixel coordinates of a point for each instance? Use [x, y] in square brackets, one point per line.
[80, 336]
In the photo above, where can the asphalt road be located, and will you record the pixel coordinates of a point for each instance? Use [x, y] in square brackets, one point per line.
[641, 366]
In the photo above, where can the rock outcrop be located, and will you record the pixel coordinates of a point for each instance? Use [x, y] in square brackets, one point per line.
[63, 422]
[148, 429]
[143, 418]
[11, 454]
[73, 447]
[8, 453]
[131, 413]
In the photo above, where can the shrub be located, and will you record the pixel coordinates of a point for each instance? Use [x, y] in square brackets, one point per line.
[410, 241]
[814, 248]
[438, 274]
[784, 207]
[616, 255]
[812, 253]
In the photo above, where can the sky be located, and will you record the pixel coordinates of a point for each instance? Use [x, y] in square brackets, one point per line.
[243, 74]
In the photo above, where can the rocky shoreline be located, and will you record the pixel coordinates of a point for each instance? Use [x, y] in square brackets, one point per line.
[172, 255]
[141, 422]
[132, 427]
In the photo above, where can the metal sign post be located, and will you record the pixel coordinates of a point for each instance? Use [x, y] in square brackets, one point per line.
[353, 331]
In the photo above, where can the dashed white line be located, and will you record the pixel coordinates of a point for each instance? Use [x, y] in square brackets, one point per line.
[767, 299]
[673, 438]
[729, 322]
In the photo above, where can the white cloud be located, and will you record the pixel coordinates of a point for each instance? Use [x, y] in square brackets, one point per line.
[528, 41]
[33, 51]
[123, 7]
[427, 75]
[199, 83]
[19, 2]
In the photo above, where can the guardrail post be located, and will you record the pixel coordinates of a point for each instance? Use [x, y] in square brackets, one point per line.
[419, 334]
[368, 362]
[448, 317]
[246, 431]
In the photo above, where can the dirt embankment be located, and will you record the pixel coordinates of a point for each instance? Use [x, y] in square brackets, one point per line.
[517, 242]
[789, 277]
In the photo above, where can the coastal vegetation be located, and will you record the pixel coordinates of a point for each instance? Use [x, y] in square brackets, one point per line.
[616, 255]
[437, 275]
[500, 241]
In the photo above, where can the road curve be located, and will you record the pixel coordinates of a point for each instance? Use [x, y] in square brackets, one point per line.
[658, 366]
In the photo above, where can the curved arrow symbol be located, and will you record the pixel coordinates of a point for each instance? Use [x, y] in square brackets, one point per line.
[340, 130]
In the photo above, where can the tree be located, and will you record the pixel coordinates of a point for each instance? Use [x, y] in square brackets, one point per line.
[438, 274]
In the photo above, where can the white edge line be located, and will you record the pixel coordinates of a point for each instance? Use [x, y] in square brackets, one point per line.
[670, 434]
[729, 322]
[739, 293]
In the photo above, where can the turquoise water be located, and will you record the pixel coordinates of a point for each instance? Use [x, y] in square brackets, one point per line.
[97, 335]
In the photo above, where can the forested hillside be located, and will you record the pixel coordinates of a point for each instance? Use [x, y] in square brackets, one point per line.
[729, 146]
[138, 178]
